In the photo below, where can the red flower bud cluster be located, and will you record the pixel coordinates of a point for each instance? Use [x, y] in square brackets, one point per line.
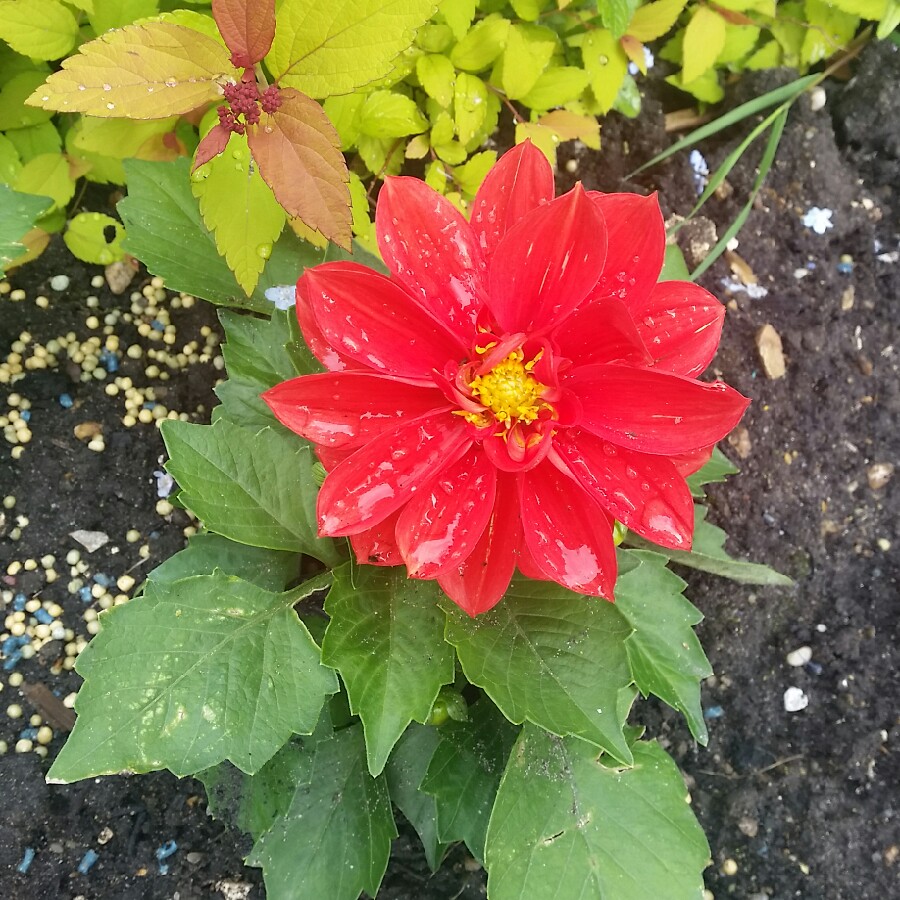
[244, 104]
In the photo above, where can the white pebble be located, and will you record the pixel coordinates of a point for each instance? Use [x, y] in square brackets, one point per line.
[59, 282]
[795, 700]
[799, 657]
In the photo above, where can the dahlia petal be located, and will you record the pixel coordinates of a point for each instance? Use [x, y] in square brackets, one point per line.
[520, 181]
[377, 546]
[380, 477]
[681, 324]
[430, 248]
[654, 412]
[375, 322]
[568, 535]
[347, 409]
[312, 334]
[548, 263]
[526, 564]
[644, 492]
[480, 582]
[441, 524]
[602, 331]
[688, 463]
[637, 245]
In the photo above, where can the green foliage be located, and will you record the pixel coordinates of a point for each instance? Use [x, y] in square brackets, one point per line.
[19, 214]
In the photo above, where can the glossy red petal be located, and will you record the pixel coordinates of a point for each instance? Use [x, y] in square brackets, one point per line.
[681, 324]
[644, 492]
[482, 579]
[526, 564]
[441, 524]
[520, 181]
[688, 463]
[381, 476]
[373, 321]
[377, 546]
[568, 535]
[347, 409]
[312, 334]
[430, 248]
[547, 264]
[637, 245]
[654, 412]
[601, 331]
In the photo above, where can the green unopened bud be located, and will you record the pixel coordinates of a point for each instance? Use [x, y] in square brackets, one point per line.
[619, 533]
[318, 473]
[449, 705]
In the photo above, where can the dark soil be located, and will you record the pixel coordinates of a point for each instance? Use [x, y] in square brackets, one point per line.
[795, 804]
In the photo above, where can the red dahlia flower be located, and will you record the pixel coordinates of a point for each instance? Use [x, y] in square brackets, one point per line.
[518, 383]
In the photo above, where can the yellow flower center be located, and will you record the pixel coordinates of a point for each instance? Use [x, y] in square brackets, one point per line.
[509, 391]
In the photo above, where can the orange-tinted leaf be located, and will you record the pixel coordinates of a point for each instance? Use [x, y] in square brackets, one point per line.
[248, 29]
[299, 157]
[215, 141]
[634, 50]
[147, 71]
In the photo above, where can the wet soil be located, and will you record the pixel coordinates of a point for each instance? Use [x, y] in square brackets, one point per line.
[795, 804]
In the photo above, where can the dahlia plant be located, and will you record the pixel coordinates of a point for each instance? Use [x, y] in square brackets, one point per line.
[411, 598]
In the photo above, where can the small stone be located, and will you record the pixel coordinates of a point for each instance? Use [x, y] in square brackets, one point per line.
[233, 890]
[105, 836]
[879, 474]
[748, 826]
[119, 275]
[90, 540]
[795, 700]
[194, 858]
[740, 440]
[86, 431]
[817, 98]
[59, 282]
[883, 544]
[799, 657]
[847, 298]
[771, 354]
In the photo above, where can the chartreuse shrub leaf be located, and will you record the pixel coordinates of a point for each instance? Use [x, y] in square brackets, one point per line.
[13, 112]
[481, 45]
[145, 71]
[206, 552]
[95, 238]
[194, 672]
[405, 771]
[464, 773]
[526, 55]
[552, 657]
[330, 49]
[166, 232]
[665, 655]
[334, 838]
[47, 175]
[254, 487]
[606, 65]
[39, 29]
[109, 14]
[239, 208]
[704, 39]
[385, 638]
[19, 214]
[568, 823]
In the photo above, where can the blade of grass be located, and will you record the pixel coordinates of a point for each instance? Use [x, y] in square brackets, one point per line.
[765, 164]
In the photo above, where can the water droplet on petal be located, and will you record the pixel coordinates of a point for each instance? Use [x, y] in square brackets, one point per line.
[631, 473]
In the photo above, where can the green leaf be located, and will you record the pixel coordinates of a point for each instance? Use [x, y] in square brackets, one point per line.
[470, 103]
[708, 555]
[10, 163]
[470, 175]
[551, 657]
[437, 75]
[705, 88]
[334, 840]
[704, 39]
[566, 825]
[385, 638]
[162, 218]
[255, 488]
[242, 405]
[270, 570]
[13, 112]
[120, 138]
[481, 45]
[334, 48]
[528, 10]
[616, 15]
[87, 237]
[829, 30]
[464, 773]
[556, 86]
[674, 267]
[40, 29]
[255, 349]
[387, 114]
[664, 653]
[405, 771]
[239, 208]
[194, 672]
[47, 175]
[459, 15]
[19, 214]
[110, 14]
[715, 471]
[606, 65]
[528, 51]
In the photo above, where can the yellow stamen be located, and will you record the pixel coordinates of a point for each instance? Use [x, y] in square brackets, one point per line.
[509, 391]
